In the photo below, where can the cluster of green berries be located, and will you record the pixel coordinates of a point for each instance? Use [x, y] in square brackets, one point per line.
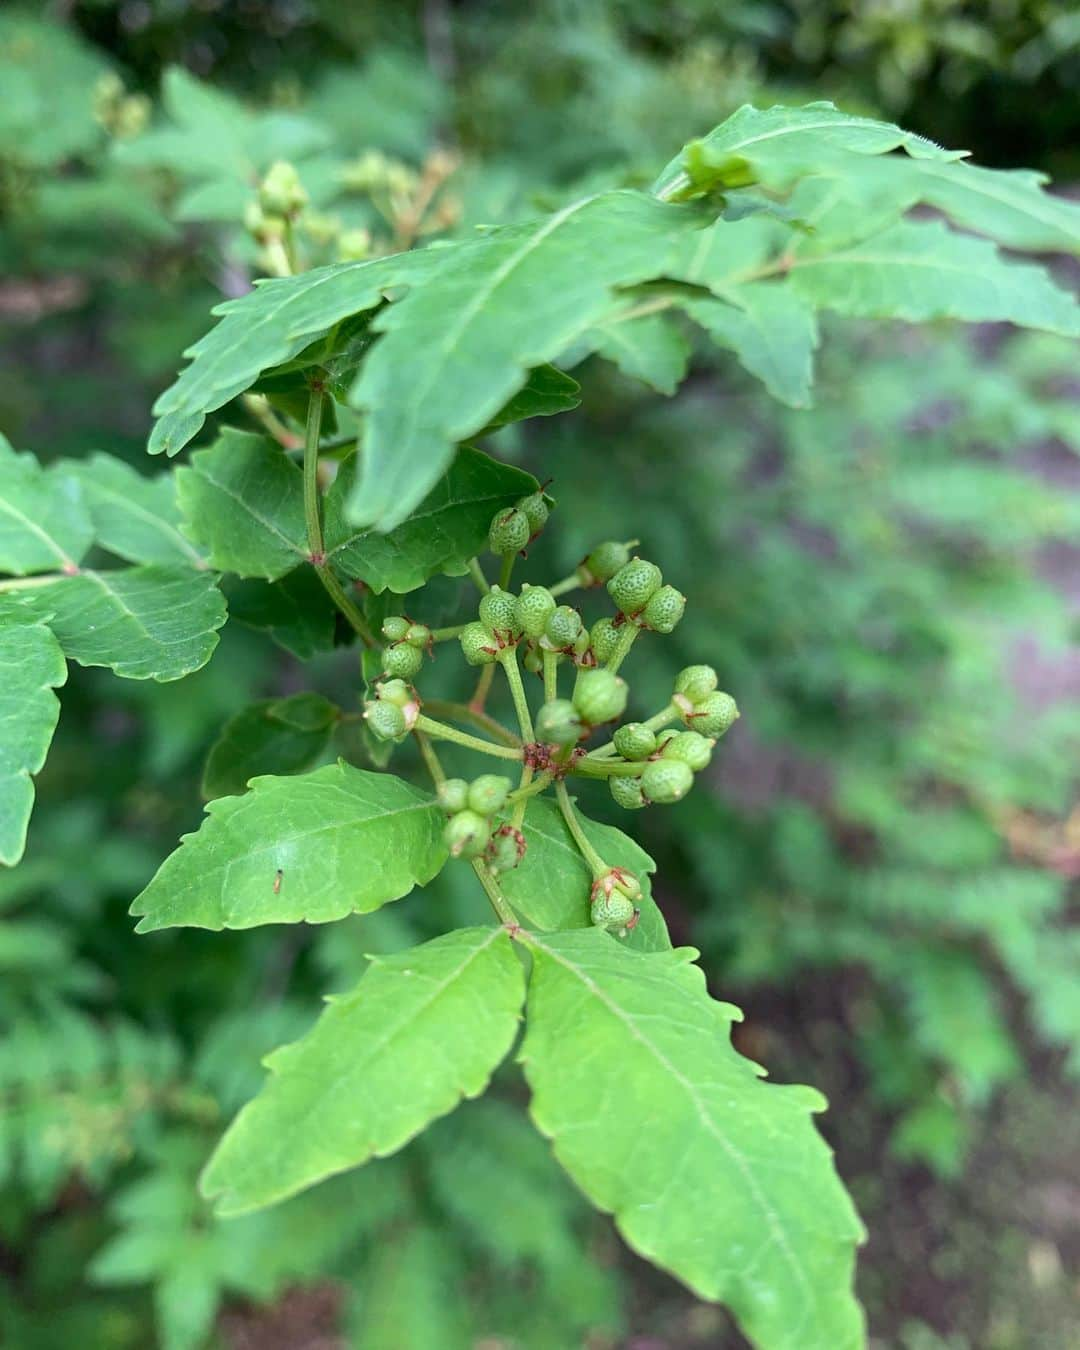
[392, 713]
[470, 829]
[406, 644]
[701, 705]
[514, 529]
[613, 902]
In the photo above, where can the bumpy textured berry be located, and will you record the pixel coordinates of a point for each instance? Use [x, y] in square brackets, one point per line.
[498, 612]
[535, 605]
[691, 747]
[488, 793]
[612, 911]
[713, 715]
[466, 834]
[396, 692]
[665, 609]
[385, 720]
[603, 638]
[418, 635]
[562, 629]
[558, 723]
[509, 532]
[536, 511]
[402, 660]
[453, 795]
[506, 849]
[635, 741]
[477, 645]
[633, 586]
[600, 696]
[603, 562]
[666, 780]
[627, 791]
[696, 682]
[394, 628]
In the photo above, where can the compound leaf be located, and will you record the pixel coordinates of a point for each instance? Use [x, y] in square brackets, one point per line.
[242, 499]
[423, 1029]
[145, 623]
[650, 349]
[709, 1172]
[550, 888]
[295, 612]
[310, 848]
[449, 527]
[44, 522]
[31, 667]
[135, 517]
[273, 736]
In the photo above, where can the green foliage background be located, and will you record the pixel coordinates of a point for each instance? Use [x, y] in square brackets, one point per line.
[879, 871]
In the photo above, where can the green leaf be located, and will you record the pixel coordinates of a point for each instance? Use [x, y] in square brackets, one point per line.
[268, 327]
[411, 1294]
[739, 149]
[550, 888]
[31, 667]
[295, 612]
[454, 350]
[145, 623]
[423, 1029]
[135, 517]
[771, 330]
[311, 849]
[650, 349]
[919, 271]
[274, 736]
[449, 527]
[242, 499]
[44, 522]
[709, 1172]
[546, 392]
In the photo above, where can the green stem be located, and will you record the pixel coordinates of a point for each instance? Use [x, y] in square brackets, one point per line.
[445, 634]
[626, 640]
[312, 506]
[491, 888]
[461, 712]
[551, 676]
[431, 759]
[483, 688]
[517, 819]
[477, 574]
[441, 732]
[663, 718]
[573, 581]
[527, 790]
[508, 660]
[590, 767]
[27, 583]
[566, 806]
[506, 570]
[352, 611]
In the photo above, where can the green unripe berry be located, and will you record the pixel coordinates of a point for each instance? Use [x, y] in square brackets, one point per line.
[600, 696]
[506, 850]
[533, 660]
[696, 682]
[603, 562]
[536, 512]
[281, 193]
[386, 721]
[691, 747]
[558, 723]
[714, 715]
[476, 645]
[563, 629]
[627, 791]
[665, 609]
[633, 586]
[466, 834]
[635, 741]
[612, 911]
[395, 691]
[453, 795]
[582, 648]
[394, 628]
[402, 661]
[418, 635]
[666, 780]
[604, 638]
[498, 612]
[488, 793]
[509, 532]
[535, 605]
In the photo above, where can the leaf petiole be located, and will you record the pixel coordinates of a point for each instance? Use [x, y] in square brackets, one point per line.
[440, 731]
